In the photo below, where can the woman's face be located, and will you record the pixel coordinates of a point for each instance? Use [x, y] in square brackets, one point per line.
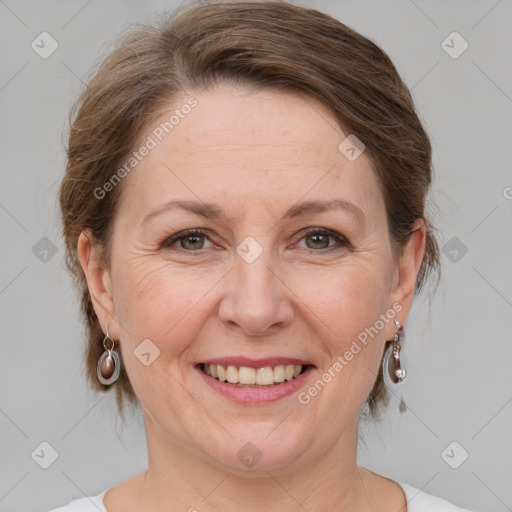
[254, 288]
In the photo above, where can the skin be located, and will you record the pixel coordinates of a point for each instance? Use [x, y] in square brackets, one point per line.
[255, 154]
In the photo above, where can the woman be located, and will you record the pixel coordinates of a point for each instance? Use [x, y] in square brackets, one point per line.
[244, 212]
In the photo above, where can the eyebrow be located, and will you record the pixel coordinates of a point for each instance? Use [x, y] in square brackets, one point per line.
[213, 211]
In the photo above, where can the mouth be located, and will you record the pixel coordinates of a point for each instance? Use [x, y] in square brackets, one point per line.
[253, 377]
[247, 381]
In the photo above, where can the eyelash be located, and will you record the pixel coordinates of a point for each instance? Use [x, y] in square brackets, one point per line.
[342, 241]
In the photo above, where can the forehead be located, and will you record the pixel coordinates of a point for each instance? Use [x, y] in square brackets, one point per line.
[268, 146]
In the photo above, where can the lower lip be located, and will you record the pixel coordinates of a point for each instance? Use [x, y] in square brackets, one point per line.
[256, 395]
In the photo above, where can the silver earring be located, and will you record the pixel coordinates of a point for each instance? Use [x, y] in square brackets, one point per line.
[391, 362]
[109, 363]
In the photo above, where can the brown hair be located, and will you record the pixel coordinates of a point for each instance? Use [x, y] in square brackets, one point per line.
[257, 44]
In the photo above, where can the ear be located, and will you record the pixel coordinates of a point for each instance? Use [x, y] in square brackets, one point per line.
[404, 281]
[99, 283]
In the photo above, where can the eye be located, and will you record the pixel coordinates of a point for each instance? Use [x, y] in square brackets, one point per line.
[318, 238]
[190, 240]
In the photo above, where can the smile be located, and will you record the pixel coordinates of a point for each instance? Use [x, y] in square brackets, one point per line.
[255, 381]
[253, 377]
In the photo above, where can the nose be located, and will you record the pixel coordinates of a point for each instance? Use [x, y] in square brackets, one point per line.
[257, 301]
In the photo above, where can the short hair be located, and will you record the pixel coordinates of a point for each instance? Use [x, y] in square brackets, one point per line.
[264, 45]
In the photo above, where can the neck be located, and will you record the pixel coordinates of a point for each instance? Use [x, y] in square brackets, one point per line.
[178, 480]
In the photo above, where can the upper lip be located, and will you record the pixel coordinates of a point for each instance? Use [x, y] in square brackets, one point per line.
[256, 363]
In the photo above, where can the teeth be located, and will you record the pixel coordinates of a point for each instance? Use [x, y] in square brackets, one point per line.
[265, 376]
[279, 373]
[247, 376]
[221, 372]
[232, 374]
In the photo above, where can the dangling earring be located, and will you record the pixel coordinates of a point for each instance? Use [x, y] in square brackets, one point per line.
[391, 362]
[109, 363]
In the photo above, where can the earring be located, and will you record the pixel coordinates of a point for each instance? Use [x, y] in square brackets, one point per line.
[391, 362]
[109, 363]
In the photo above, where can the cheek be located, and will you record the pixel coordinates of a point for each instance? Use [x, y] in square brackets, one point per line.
[159, 304]
[157, 301]
[349, 298]
[348, 325]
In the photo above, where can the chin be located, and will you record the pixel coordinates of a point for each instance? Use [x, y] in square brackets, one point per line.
[249, 451]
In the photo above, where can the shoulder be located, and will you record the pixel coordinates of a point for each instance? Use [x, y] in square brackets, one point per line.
[419, 501]
[87, 504]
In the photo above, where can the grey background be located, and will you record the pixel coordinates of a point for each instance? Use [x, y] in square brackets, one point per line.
[457, 349]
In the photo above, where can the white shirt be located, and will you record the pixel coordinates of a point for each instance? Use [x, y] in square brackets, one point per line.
[417, 501]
